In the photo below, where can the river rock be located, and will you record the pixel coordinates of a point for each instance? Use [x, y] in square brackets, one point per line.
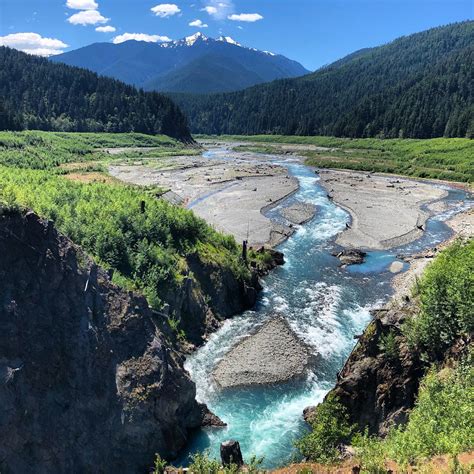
[396, 267]
[299, 213]
[209, 419]
[273, 354]
[231, 453]
[350, 256]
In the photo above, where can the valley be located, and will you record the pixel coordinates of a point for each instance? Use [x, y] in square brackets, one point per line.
[247, 195]
[273, 200]
[213, 260]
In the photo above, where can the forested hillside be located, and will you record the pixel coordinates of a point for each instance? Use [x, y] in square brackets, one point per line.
[419, 86]
[37, 94]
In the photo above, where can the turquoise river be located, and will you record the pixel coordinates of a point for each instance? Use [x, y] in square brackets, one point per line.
[325, 304]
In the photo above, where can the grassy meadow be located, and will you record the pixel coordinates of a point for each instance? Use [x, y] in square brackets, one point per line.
[449, 159]
[54, 150]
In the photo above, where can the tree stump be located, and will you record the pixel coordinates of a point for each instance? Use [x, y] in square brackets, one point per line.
[231, 453]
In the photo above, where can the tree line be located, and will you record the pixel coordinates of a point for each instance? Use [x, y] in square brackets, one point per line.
[38, 94]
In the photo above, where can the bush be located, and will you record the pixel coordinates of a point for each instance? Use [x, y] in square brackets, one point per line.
[447, 302]
[389, 345]
[203, 464]
[160, 465]
[330, 427]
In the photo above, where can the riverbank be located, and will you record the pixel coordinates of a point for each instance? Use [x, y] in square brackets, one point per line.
[462, 225]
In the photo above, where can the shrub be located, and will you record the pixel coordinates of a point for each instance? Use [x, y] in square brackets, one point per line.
[440, 422]
[160, 465]
[330, 427]
[388, 344]
[203, 464]
[447, 302]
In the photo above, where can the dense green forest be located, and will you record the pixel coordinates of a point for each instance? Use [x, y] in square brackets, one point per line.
[38, 94]
[438, 158]
[419, 86]
[441, 421]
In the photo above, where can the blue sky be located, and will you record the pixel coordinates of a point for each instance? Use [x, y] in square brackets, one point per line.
[314, 32]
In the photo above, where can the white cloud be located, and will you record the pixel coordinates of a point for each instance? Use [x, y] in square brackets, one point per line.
[33, 43]
[210, 10]
[219, 9]
[198, 24]
[105, 29]
[165, 9]
[87, 17]
[82, 4]
[140, 37]
[248, 17]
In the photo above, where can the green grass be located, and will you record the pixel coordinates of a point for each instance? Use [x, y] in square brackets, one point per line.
[148, 250]
[49, 150]
[438, 158]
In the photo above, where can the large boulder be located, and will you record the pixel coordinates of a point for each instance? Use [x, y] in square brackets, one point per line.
[350, 256]
[273, 354]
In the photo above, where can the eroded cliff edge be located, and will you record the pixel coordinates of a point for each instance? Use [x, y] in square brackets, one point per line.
[89, 380]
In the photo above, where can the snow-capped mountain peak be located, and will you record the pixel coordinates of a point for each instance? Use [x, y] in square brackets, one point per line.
[202, 38]
[228, 39]
[190, 40]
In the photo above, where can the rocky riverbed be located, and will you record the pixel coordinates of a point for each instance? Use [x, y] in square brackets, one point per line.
[386, 211]
[229, 194]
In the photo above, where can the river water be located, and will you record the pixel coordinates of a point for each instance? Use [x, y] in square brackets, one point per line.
[324, 304]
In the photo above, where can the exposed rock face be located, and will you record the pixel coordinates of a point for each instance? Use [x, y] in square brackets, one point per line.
[209, 295]
[88, 381]
[377, 390]
[273, 354]
[209, 419]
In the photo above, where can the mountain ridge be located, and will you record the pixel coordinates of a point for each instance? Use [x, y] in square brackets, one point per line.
[154, 66]
[38, 94]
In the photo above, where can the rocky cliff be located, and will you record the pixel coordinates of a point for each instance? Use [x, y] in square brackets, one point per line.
[379, 382]
[88, 380]
[210, 294]
[377, 387]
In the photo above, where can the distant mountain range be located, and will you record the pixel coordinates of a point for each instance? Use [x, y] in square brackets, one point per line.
[195, 64]
[418, 86]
